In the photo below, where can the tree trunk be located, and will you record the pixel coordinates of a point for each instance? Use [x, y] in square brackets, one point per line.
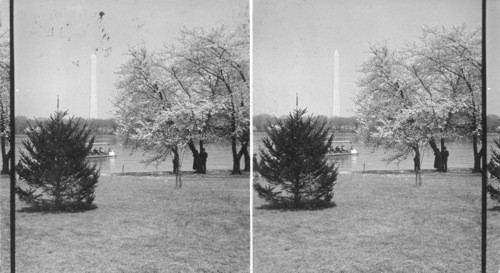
[236, 157]
[177, 168]
[477, 155]
[416, 167]
[243, 152]
[444, 156]
[191, 145]
[438, 161]
[246, 155]
[175, 160]
[196, 161]
[5, 156]
[416, 159]
[201, 145]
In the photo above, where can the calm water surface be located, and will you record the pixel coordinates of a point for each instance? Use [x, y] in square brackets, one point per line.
[461, 155]
[219, 157]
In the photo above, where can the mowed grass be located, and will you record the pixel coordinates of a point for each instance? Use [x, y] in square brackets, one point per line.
[142, 224]
[4, 223]
[493, 234]
[382, 223]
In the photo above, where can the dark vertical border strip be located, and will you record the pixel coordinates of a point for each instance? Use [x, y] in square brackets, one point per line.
[484, 146]
[12, 145]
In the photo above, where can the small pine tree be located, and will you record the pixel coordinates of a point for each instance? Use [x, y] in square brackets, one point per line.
[494, 169]
[54, 165]
[294, 163]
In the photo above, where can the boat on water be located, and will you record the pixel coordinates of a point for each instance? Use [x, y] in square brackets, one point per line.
[341, 151]
[344, 153]
[99, 151]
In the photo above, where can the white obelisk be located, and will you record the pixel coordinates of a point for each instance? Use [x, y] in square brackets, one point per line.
[336, 85]
[93, 87]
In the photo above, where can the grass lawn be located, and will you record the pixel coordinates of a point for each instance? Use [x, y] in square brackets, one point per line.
[381, 223]
[4, 223]
[493, 248]
[143, 225]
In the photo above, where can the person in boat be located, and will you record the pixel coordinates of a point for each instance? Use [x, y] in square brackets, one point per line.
[101, 151]
[95, 151]
[342, 149]
[337, 149]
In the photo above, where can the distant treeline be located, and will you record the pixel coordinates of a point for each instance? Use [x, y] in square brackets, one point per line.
[338, 124]
[341, 124]
[492, 122]
[100, 126]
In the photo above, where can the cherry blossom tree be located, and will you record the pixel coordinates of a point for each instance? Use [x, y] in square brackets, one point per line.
[391, 116]
[424, 93]
[156, 115]
[453, 59]
[184, 94]
[4, 99]
[219, 61]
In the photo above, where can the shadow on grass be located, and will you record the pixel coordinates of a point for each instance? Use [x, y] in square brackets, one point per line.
[67, 208]
[288, 206]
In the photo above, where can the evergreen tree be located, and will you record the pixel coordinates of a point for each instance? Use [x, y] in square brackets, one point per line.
[54, 165]
[494, 169]
[294, 163]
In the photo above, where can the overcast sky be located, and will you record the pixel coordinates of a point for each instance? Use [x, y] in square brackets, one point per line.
[493, 56]
[54, 40]
[294, 43]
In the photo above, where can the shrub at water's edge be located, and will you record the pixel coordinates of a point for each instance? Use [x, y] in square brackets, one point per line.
[55, 168]
[294, 164]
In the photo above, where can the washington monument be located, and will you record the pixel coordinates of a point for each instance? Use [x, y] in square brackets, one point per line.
[93, 87]
[336, 86]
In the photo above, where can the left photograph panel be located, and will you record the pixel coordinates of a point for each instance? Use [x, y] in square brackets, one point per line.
[131, 136]
[5, 133]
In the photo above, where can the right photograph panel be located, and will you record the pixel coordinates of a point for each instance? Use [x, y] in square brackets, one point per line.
[367, 136]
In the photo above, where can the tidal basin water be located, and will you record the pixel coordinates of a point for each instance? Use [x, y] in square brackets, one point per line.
[461, 155]
[219, 157]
